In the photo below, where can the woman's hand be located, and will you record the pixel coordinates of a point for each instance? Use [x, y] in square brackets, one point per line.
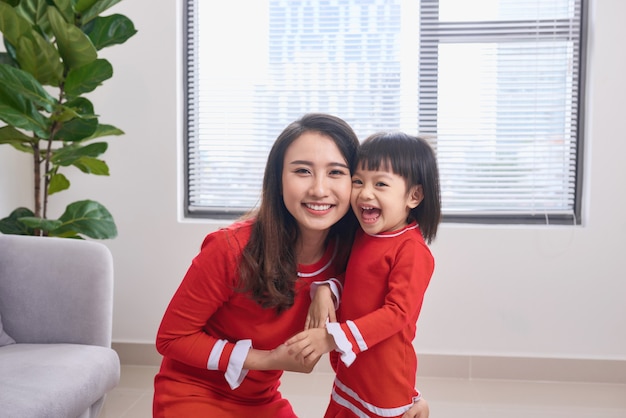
[418, 410]
[322, 308]
[278, 359]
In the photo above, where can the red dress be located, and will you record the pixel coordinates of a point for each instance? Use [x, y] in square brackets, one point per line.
[386, 278]
[208, 328]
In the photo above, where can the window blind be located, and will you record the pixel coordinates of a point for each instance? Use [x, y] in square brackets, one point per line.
[495, 87]
[500, 90]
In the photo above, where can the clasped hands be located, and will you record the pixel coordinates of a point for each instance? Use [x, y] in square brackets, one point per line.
[301, 352]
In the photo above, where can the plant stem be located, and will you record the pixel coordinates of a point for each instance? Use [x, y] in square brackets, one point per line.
[37, 172]
[46, 183]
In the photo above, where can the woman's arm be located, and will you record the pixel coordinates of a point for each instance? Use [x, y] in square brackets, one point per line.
[208, 284]
[278, 359]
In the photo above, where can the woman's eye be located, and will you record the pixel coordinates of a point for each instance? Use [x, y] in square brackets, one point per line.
[301, 171]
[337, 173]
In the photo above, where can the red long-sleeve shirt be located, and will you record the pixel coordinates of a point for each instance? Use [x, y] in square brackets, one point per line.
[386, 278]
[208, 328]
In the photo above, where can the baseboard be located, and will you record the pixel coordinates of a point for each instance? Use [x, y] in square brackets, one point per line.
[137, 354]
[523, 368]
[457, 366]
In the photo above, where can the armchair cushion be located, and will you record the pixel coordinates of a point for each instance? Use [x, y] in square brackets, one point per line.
[55, 380]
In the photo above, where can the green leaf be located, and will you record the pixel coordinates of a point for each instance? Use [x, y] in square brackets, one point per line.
[74, 46]
[82, 5]
[12, 2]
[66, 155]
[64, 114]
[38, 57]
[110, 30]
[12, 25]
[19, 141]
[27, 46]
[105, 130]
[40, 223]
[86, 78]
[58, 183]
[65, 7]
[86, 217]
[91, 9]
[77, 129]
[90, 165]
[10, 50]
[12, 225]
[21, 113]
[82, 127]
[21, 83]
[7, 59]
[35, 12]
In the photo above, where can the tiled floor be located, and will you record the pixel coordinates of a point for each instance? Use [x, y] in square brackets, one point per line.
[448, 398]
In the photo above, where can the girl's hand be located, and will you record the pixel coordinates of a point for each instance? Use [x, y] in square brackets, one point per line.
[282, 359]
[418, 410]
[322, 308]
[313, 343]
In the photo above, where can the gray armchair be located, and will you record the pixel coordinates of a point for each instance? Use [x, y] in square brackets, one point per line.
[56, 303]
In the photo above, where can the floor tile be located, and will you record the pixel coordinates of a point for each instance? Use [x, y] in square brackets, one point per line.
[447, 397]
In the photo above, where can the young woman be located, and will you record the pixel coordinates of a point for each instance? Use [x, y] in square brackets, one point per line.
[396, 198]
[247, 290]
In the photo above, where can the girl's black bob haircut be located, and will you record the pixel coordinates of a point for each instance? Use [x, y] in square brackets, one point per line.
[412, 158]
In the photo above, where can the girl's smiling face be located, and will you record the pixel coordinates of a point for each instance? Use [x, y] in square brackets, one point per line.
[316, 182]
[381, 201]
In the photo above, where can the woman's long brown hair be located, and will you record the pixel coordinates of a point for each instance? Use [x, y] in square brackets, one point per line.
[268, 266]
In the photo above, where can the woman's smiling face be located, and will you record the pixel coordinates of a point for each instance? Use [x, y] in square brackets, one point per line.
[316, 182]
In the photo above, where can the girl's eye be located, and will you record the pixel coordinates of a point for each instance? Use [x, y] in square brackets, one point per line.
[357, 181]
[381, 184]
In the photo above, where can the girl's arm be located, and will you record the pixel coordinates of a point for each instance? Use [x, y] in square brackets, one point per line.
[408, 281]
[325, 298]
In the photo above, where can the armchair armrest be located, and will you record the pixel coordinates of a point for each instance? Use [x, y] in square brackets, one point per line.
[56, 290]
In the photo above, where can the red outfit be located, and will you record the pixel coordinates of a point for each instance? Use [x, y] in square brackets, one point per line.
[386, 278]
[209, 327]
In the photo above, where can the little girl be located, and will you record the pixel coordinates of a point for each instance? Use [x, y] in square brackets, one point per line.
[396, 198]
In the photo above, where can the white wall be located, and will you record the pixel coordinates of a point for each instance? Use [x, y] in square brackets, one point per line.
[527, 291]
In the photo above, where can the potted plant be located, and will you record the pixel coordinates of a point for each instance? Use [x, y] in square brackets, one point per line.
[51, 62]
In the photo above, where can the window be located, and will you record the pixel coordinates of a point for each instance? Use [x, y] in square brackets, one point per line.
[496, 85]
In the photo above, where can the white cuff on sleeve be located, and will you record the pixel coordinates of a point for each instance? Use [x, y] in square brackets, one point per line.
[343, 345]
[334, 284]
[235, 373]
[216, 354]
[418, 397]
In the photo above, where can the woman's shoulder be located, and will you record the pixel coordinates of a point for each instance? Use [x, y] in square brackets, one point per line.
[236, 233]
